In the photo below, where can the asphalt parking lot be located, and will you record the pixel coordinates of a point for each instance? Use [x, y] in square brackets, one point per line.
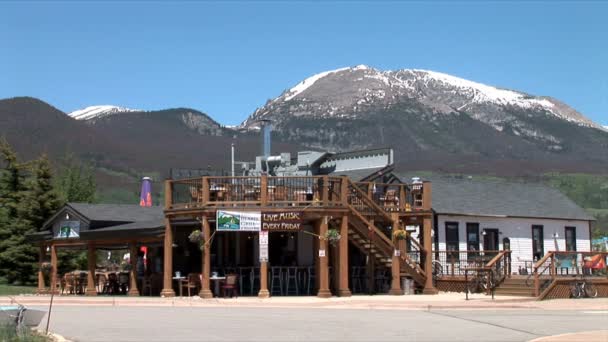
[103, 323]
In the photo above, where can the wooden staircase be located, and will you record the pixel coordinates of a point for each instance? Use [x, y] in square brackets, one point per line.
[515, 286]
[364, 214]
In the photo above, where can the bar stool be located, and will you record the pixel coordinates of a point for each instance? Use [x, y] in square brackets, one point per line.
[291, 276]
[276, 274]
[355, 279]
[311, 278]
[255, 278]
[244, 273]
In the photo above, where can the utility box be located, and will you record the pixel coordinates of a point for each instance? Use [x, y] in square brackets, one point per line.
[407, 286]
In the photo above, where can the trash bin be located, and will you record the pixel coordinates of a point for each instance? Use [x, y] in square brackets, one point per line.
[407, 286]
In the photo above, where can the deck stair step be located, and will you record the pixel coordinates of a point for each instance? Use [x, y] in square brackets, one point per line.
[515, 286]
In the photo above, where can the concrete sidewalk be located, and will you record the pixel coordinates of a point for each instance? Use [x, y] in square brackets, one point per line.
[415, 302]
[587, 336]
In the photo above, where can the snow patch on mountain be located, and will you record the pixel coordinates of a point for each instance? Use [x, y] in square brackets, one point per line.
[485, 93]
[95, 112]
[302, 86]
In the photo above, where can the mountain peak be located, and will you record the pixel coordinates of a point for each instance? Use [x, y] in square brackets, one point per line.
[95, 112]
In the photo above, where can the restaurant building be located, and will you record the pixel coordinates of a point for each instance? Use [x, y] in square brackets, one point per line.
[322, 224]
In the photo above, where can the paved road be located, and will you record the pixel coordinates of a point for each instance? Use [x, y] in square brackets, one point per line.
[102, 323]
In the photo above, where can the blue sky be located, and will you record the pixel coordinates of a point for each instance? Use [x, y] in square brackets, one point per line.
[227, 59]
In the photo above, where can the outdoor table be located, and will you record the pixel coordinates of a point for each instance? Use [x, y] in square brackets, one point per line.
[216, 284]
[179, 284]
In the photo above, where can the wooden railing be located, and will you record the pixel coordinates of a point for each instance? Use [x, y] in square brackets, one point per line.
[454, 263]
[501, 266]
[256, 191]
[398, 196]
[556, 264]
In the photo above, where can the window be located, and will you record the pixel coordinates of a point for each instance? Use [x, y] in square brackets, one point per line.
[473, 237]
[451, 240]
[538, 250]
[570, 238]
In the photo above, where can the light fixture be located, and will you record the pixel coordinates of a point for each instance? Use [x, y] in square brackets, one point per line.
[555, 235]
[48, 248]
[483, 232]
[67, 216]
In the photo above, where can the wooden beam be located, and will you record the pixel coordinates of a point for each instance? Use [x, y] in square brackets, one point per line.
[396, 261]
[427, 196]
[41, 282]
[206, 272]
[53, 269]
[427, 227]
[343, 288]
[324, 291]
[133, 291]
[167, 290]
[91, 263]
[168, 194]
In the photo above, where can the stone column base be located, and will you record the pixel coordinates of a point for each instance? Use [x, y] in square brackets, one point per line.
[324, 294]
[205, 293]
[167, 293]
[90, 292]
[430, 291]
[263, 294]
[395, 292]
[344, 293]
[133, 293]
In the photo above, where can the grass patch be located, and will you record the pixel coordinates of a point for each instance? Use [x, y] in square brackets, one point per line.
[11, 290]
[8, 333]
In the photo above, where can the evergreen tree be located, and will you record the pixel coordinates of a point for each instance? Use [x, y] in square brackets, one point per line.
[76, 182]
[40, 201]
[16, 260]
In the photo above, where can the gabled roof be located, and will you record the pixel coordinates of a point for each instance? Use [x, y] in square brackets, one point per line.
[118, 212]
[364, 174]
[483, 197]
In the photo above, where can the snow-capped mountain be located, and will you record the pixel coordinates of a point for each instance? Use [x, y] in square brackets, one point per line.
[425, 112]
[345, 92]
[96, 112]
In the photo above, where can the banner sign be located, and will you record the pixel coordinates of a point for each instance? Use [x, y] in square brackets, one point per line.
[282, 221]
[68, 229]
[238, 221]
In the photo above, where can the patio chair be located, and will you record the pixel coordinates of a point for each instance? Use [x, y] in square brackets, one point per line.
[146, 285]
[231, 285]
[123, 282]
[192, 282]
[291, 278]
[68, 283]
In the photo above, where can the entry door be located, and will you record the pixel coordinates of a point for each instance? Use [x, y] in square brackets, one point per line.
[490, 240]
[538, 250]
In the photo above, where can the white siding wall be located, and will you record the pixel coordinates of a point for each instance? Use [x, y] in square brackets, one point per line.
[519, 231]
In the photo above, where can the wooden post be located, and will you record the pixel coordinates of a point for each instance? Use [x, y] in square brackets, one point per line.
[324, 291]
[343, 289]
[133, 291]
[167, 290]
[168, 194]
[205, 190]
[264, 190]
[426, 196]
[427, 224]
[316, 245]
[344, 191]
[53, 269]
[402, 197]
[91, 263]
[206, 272]
[264, 293]
[325, 191]
[41, 283]
[396, 261]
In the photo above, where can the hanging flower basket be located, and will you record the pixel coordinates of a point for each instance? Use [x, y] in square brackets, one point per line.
[332, 236]
[197, 237]
[400, 234]
[126, 266]
[46, 267]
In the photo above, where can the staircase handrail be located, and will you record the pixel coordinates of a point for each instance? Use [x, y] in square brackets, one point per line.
[367, 201]
[538, 265]
[370, 226]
